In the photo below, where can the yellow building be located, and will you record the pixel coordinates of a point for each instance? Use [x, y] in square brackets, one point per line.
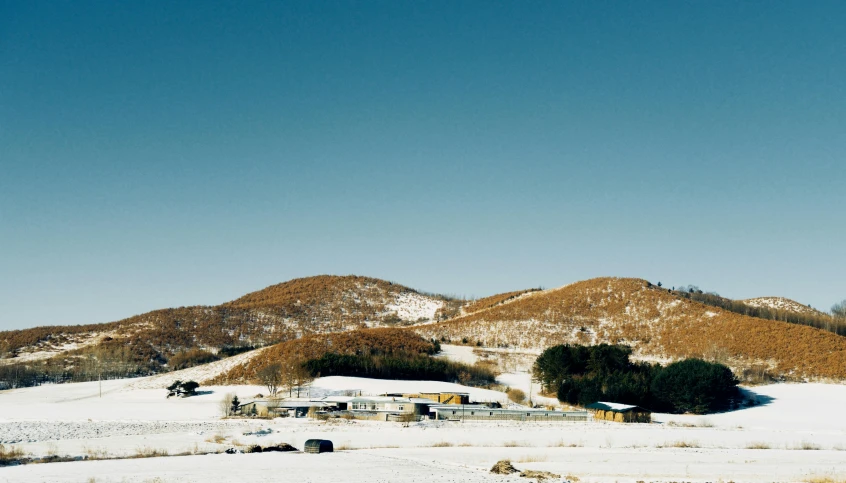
[619, 413]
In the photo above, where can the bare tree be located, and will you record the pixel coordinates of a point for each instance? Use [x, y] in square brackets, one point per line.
[271, 377]
[226, 406]
[302, 376]
[839, 309]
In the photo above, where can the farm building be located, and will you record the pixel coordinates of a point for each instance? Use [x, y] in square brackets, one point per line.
[478, 412]
[275, 407]
[388, 408]
[339, 402]
[255, 408]
[438, 397]
[621, 413]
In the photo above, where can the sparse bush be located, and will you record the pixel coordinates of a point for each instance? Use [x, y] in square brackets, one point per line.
[516, 395]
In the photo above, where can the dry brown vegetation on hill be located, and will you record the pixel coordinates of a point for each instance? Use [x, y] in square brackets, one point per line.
[655, 323]
[385, 341]
[488, 302]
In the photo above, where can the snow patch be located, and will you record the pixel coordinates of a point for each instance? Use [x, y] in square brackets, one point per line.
[412, 306]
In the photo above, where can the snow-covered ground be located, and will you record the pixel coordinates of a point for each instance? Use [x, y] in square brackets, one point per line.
[413, 307]
[794, 434]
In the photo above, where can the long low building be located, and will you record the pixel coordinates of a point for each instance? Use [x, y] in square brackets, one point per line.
[485, 413]
[620, 413]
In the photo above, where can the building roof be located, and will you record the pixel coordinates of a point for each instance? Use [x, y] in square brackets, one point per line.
[299, 404]
[615, 407]
[337, 399]
[448, 392]
[479, 407]
[380, 399]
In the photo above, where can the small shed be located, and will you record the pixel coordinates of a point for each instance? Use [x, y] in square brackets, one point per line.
[318, 446]
[620, 413]
[255, 408]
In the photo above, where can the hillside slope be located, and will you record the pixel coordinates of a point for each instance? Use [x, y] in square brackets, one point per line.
[781, 303]
[657, 324]
[142, 344]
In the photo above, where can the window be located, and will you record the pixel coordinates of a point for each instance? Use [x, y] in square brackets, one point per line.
[472, 413]
[491, 413]
[453, 412]
[400, 407]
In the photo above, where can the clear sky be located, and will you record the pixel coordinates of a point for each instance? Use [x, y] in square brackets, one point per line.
[155, 154]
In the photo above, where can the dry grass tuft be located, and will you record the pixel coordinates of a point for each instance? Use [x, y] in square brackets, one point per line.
[680, 444]
[566, 444]
[532, 459]
[758, 445]
[93, 453]
[442, 444]
[148, 452]
[10, 454]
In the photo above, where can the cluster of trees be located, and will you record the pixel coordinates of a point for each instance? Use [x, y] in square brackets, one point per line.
[383, 341]
[398, 366]
[182, 389]
[191, 358]
[585, 374]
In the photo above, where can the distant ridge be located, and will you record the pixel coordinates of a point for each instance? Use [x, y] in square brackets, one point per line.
[659, 324]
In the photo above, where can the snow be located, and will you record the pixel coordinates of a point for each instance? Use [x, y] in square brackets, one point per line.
[413, 306]
[299, 467]
[458, 353]
[202, 373]
[616, 406]
[375, 387]
[72, 419]
[780, 303]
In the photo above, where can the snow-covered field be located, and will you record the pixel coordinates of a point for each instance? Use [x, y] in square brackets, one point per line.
[795, 434]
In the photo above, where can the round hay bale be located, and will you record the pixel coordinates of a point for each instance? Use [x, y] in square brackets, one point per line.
[318, 446]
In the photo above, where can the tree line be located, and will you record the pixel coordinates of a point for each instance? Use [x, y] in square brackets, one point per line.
[835, 323]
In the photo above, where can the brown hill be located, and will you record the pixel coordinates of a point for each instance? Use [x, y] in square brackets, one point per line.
[277, 313]
[656, 323]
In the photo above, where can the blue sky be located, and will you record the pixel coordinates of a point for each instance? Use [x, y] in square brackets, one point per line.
[156, 155]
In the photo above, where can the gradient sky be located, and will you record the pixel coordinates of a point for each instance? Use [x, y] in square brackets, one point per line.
[156, 155]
